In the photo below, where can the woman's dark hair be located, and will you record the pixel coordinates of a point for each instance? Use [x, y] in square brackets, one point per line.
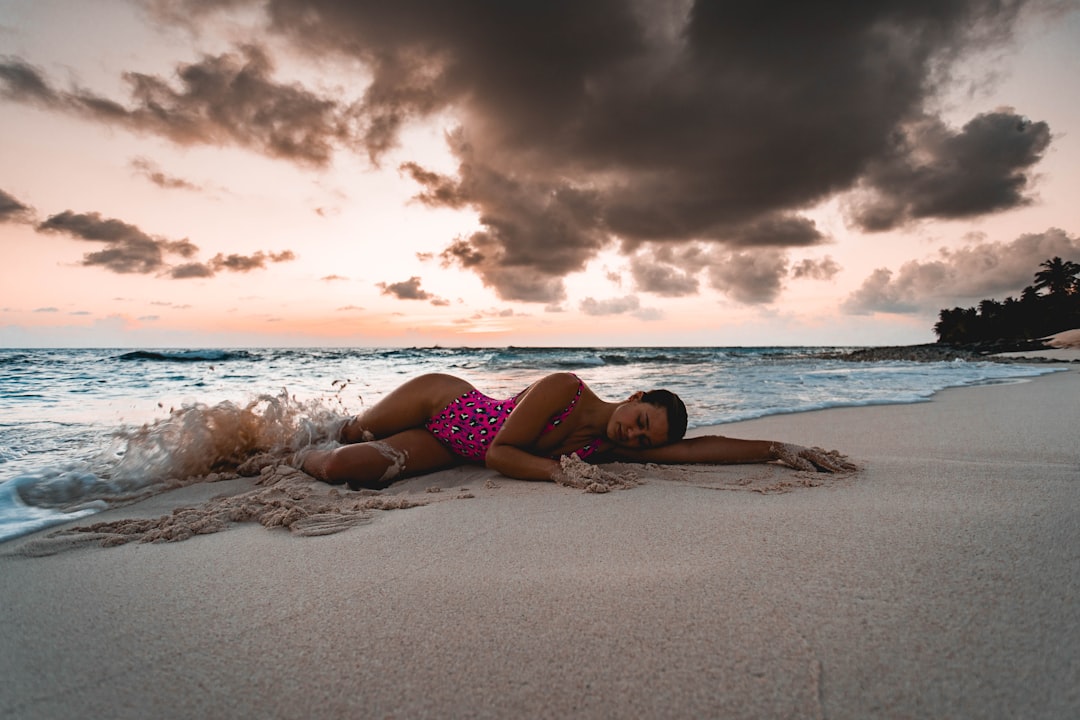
[676, 411]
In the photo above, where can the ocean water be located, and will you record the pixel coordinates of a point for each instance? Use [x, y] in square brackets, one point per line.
[83, 429]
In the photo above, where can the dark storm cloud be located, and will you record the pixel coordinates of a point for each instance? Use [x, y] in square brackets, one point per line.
[151, 172]
[131, 250]
[776, 231]
[220, 100]
[11, 210]
[535, 232]
[933, 171]
[127, 248]
[584, 124]
[627, 123]
[985, 270]
[410, 290]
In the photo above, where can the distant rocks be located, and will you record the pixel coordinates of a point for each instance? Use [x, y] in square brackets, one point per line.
[938, 352]
[917, 353]
[991, 347]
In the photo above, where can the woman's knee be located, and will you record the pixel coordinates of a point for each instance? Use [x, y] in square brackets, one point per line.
[370, 465]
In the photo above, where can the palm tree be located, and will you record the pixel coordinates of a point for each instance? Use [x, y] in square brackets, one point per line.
[1050, 305]
[959, 325]
[947, 327]
[1058, 277]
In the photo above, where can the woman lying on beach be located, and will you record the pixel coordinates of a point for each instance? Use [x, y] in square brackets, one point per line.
[437, 421]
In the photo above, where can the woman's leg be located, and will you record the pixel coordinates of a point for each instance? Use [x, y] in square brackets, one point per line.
[378, 463]
[409, 406]
[389, 441]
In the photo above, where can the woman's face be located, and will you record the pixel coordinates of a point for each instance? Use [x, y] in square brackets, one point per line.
[638, 425]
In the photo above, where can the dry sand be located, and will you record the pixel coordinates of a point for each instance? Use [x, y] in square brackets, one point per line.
[1065, 347]
[1067, 339]
[943, 580]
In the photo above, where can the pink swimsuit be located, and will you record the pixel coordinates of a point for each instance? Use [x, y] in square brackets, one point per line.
[468, 424]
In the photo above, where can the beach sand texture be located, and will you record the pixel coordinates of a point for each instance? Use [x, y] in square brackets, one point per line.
[942, 580]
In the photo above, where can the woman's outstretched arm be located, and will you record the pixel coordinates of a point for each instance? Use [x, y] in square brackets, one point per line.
[717, 449]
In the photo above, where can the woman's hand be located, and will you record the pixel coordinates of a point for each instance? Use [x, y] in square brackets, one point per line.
[576, 473]
[813, 458]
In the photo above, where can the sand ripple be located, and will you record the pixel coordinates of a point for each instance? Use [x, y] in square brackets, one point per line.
[283, 497]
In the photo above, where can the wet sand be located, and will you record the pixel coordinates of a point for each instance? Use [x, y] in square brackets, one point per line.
[942, 580]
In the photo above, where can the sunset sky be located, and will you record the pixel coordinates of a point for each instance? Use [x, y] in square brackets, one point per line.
[208, 173]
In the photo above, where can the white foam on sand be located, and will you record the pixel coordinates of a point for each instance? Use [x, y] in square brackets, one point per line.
[284, 497]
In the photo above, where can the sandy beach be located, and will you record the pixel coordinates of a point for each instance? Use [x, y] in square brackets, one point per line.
[942, 580]
[1063, 347]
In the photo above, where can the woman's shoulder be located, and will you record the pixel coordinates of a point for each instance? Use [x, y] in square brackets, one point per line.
[567, 377]
[559, 381]
[553, 388]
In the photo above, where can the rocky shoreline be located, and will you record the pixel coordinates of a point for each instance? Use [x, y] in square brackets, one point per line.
[939, 352]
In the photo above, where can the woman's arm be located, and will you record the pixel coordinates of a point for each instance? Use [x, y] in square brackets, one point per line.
[509, 452]
[717, 449]
[520, 464]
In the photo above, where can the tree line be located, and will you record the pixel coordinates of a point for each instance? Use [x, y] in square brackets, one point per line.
[1049, 305]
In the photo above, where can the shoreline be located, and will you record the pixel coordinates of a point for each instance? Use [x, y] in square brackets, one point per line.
[360, 511]
[937, 581]
[1062, 347]
[733, 396]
